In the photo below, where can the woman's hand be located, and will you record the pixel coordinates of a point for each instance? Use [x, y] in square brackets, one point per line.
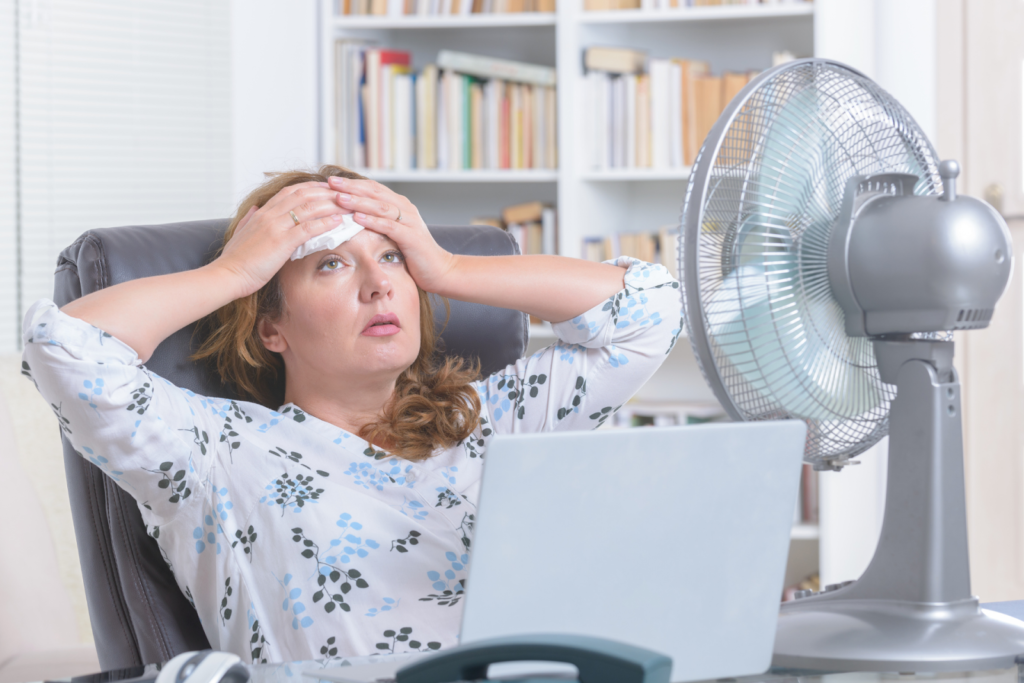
[378, 208]
[267, 236]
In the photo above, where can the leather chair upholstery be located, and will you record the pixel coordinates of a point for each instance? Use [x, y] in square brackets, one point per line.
[138, 614]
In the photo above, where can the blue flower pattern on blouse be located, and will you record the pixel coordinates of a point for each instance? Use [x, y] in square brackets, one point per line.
[297, 540]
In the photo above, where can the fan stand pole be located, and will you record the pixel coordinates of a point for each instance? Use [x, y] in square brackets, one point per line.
[912, 610]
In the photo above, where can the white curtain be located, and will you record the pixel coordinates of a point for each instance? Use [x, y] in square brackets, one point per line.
[124, 112]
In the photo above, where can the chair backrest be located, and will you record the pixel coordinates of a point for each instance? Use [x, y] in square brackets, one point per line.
[138, 613]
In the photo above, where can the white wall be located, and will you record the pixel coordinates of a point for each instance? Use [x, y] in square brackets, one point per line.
[274, 89]
[893, 42]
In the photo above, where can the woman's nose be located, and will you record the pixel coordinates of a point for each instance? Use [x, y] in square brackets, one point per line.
[375, 283]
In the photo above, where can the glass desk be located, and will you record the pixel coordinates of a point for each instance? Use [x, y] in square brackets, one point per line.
[306, 671]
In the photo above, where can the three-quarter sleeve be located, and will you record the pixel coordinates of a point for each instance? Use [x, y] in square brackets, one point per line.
[600, 360]
[153, 438]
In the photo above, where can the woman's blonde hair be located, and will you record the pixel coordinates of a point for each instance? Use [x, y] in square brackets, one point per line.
[434, 404]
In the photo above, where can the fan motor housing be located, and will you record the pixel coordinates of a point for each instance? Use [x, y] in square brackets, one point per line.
[911, 263]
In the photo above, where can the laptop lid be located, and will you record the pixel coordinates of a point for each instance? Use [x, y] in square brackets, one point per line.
[674, 539]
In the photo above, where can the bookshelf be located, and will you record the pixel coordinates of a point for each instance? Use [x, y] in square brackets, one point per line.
[590, 203]
[475, 176]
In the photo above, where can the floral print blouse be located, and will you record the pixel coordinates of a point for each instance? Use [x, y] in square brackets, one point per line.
[293, 538]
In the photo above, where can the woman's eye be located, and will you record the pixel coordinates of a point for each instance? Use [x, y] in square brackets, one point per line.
[330, 264]
[392, 257]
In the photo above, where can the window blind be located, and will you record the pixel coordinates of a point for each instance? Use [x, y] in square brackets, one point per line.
[124, 120]
[9, 323]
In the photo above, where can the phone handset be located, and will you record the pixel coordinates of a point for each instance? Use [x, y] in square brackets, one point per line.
[598, 660]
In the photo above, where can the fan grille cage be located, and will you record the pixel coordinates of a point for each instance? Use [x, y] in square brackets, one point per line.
[763, 203]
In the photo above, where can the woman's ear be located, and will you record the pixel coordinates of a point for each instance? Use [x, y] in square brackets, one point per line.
[271, 336]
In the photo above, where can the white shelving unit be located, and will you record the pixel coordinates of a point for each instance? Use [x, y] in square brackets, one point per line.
[590, 203]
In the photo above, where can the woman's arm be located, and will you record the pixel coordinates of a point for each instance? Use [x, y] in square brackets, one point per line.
[143, 312]
[601, 358]
[553, 288]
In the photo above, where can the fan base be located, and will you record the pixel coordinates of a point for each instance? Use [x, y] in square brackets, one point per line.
[889, 635]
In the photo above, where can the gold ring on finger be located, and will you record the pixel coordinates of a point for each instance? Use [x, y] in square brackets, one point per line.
[294, 217]
[399, 219]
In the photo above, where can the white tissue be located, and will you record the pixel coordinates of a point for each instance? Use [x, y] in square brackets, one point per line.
[330, 239]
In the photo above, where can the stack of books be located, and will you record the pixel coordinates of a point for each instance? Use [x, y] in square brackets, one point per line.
[533, 225]
[650, 113]
[597, 5]
[465, 112]
[661, 247]
[397, 8]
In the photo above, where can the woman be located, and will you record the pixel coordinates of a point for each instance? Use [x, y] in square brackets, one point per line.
[333, 515]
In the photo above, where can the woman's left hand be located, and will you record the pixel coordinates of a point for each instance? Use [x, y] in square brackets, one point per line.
[382, 210]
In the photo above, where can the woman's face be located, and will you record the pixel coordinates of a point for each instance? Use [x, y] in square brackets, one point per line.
[334, 302]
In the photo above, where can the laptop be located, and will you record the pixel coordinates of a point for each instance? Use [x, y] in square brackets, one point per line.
[674, 539]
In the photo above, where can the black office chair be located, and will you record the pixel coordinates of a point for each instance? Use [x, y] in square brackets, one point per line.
[138, 613]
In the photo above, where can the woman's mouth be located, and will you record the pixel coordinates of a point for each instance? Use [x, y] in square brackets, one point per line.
[382, 325]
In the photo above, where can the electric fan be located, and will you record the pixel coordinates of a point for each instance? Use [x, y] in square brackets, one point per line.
[825, 258]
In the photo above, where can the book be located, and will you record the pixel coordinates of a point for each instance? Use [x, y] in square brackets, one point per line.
[465, 127]
[549, 228]
[643, 121]
[675, 114]
[732, 83]
[492, 67]
[661, 91]
[523, 213]
[690, 70]
[617, 60]
[668, 248]
[538, 139]
[516, 126]
[708, 94]
[378, 92]
[492, 221]
[526, 148]
[476, 117]
[349, 55]
[593, 249]
[630, 123]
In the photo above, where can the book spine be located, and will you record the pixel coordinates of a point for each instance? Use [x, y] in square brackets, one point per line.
[386, 130]
[490, 67]
[539, 128]
[551, 113]
[430, 115]
[476, 125]
[527, 141]
[465, 128]
[371, 101]
[549, 224]
[675, 117]
[630, 122]
[420, 130]
[505, 138]
[643, 121]
[442, 120]
[342, 112]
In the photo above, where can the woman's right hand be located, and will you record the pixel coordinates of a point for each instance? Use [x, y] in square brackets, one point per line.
[266, 237]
